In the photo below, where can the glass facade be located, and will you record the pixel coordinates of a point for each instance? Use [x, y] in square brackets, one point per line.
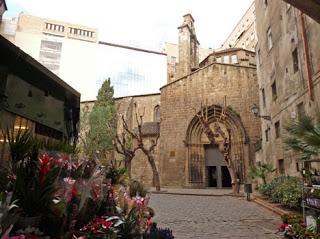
[132, 72]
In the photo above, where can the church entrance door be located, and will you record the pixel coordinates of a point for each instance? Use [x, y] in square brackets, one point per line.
[217, 174]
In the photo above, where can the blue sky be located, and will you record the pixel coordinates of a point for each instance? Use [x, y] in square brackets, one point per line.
[141, 23]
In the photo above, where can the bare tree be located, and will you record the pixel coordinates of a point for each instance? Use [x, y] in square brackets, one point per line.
[212, 133]
[123, 146]
[147, 149]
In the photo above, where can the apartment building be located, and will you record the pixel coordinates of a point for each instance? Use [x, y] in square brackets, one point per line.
[244, 34]
[288, 71]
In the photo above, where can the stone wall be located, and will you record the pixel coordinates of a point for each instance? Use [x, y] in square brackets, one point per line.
[276, 65]
[146, 104]
[180, 99]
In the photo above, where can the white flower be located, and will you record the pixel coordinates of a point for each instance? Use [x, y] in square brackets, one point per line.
[69, 180]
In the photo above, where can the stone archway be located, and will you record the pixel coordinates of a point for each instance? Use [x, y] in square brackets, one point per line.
[196, 173]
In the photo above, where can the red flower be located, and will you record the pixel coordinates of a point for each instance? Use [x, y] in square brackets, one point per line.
[283, 227]
[44, 166]
[74, 192]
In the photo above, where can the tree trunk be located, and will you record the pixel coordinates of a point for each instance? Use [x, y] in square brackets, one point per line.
[128, 167]
[156, 177]
[264, 180]
[235, 181]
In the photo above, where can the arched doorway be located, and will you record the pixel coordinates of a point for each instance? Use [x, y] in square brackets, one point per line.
[217, 174]
[205, 165]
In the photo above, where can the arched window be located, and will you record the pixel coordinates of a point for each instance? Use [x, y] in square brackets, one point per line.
[156, 113]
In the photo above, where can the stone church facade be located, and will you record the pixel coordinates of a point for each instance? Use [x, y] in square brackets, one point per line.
[186, 157]
[223, 83]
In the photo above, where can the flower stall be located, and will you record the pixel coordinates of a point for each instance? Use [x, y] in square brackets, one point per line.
[56, 195]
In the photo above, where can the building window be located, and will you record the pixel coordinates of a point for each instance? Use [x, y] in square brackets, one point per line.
[252, 36]
[281, 166]
[173, 59]
[267, 133]
[265, 3]
[274, 91]
[288, 6]
[269, 37]
[55, 27]
[156, 114]
[263, 98]
[234, 59]
[295, 60]
[218, 59]
[247, 42]
[300, 110]
[226, 59]
[277, 129]
[259, 57]
[297, 167]
[50, 53]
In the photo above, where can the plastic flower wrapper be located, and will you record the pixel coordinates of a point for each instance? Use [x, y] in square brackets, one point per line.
[98, 228]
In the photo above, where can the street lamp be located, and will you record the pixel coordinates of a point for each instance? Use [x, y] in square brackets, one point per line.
[255, 111]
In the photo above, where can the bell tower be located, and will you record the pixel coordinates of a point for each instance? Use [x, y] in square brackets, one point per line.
[188, 47]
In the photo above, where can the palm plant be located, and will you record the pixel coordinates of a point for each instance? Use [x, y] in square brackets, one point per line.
[22, 147]
[261, 171]
[303, 136]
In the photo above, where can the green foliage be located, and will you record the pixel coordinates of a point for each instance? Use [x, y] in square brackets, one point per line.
[291, 218]
[158, 233]
[233, 111]
[34, 197]
[100, 134]
[99, 125]
[118, 175]
[22, 147]
[261, 171]
[303, 136]
[128, 229]
[137, 188]
[304, 232]
[285, 190]
[8, 216]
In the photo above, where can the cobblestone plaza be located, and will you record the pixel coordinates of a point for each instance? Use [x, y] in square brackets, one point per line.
[214, 217]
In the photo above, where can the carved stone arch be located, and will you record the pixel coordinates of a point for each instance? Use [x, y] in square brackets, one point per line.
[239, 147]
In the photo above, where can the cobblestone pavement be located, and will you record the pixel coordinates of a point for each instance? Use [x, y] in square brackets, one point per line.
[209, 217]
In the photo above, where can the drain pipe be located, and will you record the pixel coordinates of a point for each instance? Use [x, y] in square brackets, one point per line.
[306, 56]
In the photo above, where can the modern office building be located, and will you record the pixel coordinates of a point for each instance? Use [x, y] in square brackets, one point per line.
[33, 98]
[75, 54]
[68, 50]
[133, 71]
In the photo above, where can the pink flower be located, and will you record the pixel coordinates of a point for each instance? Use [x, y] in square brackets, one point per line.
[139, 201]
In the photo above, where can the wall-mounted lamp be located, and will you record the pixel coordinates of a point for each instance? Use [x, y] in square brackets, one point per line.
[255, 111]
